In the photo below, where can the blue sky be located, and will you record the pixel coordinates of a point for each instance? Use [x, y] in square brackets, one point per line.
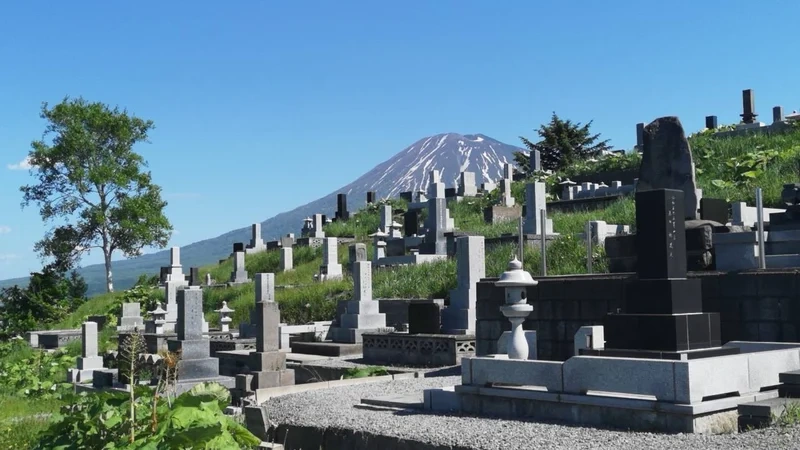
[261, 106]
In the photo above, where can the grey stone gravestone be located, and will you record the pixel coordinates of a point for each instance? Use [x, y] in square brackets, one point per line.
[667, 162]
[535, 202]
[466, 185]
[89, 360]
[287, 259]
[131, 317]
[330, 259]
[459, 317]
[535, 160]
[239, 273]
[361, 313]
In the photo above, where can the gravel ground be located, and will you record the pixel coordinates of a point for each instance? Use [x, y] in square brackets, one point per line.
[335, 408]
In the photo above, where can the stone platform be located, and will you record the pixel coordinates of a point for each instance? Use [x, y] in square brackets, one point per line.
[326, 348]
[429, 350]
[686, 396]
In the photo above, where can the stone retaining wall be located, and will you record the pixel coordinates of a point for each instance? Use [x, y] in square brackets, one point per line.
[753, 306]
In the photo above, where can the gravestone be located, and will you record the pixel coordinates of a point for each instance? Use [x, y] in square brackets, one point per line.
[208, 279]
[459, 317]
[256, 241]
[356, 252]
[162, 278]
[89, 360]
[132, 316]
[451, 192]
[663, 316]
[362, 312]
[386, 218]
[194, 276]
[411, 223]
[437, 226]
[316, 226]
[748, 106]
[407, 196]
[535, 160]
[370, 197]
[331, 269]
[287, 241]
[667, 162]
[639, 136]
[341, 207]
[195, 365]
[436, 188]
[239, 273]
[777, 114]
[267, 362]
[506, 197]
[238, 247]
[466, 185]
[714, 209]
[535, 202]
[711, 122]
[424, 318]
[175, 269]
[287, 259]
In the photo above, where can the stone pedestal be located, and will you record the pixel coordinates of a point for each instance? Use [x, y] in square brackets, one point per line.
[239, 274]
[459, 317]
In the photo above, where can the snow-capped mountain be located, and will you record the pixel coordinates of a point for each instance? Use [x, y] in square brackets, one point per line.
[448, 153]
[409, 170]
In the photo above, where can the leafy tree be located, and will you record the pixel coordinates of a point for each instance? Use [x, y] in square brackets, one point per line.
[563, 143]
[90, 177]
[50, 295]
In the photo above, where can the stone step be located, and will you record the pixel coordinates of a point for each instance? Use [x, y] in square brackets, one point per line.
[326, 348]
[792, 377]
[767, 408]
[404, 401]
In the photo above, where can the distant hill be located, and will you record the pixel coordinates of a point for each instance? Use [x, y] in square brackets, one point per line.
[408, 170]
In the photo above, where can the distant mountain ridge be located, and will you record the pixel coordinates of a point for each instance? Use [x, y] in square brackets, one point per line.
[408, 170]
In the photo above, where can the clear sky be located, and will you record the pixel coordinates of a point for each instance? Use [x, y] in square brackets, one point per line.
[261, 106]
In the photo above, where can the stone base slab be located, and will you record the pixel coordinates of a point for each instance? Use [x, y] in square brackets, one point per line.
[326, 348]
[715, 416]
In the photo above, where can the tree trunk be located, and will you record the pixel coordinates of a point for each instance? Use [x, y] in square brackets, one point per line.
[109, 280]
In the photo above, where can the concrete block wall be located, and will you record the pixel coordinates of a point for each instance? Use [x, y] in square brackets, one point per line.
[753, 306]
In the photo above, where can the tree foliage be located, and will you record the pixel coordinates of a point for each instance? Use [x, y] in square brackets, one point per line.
[90, 177]
[562, 143]
[50, 295]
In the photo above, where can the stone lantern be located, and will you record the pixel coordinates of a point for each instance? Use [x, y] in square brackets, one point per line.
[159, 316]
[379, 244]
[515, 281]
[396, 230]
[224, 317]
[307, 227]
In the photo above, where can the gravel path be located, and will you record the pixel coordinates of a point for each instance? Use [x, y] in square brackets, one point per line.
[335, 408]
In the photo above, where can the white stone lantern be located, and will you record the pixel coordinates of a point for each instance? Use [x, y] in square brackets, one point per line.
[224, 316]
[396, 230]
[307, 226]
[515, 281]
[159, 316]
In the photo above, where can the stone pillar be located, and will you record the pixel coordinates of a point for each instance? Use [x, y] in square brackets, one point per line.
[777, 114]
[330, 259]
[436, 187]
[437, 225]
[536, 201]
[466, 185]
[459, 317]
[386, 218]
[239, 274]
[256, 241]
[316, 226]
[89, 360]
[287, 259]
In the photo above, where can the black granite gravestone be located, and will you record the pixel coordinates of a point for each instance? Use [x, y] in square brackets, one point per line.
[715, 209]
[450, 192]
[163, 275]
[424, 318]
[238, 247]
[370, 197]
[663, 316]
[411, 223]
[194, 276]
[711, 122]
[407, 196]
[748, 106]
[341, 207]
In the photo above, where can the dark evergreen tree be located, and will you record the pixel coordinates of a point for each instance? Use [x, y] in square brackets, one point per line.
[563, 143]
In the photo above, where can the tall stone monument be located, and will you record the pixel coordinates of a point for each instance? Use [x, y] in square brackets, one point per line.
[362, 313]
[459, 317]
